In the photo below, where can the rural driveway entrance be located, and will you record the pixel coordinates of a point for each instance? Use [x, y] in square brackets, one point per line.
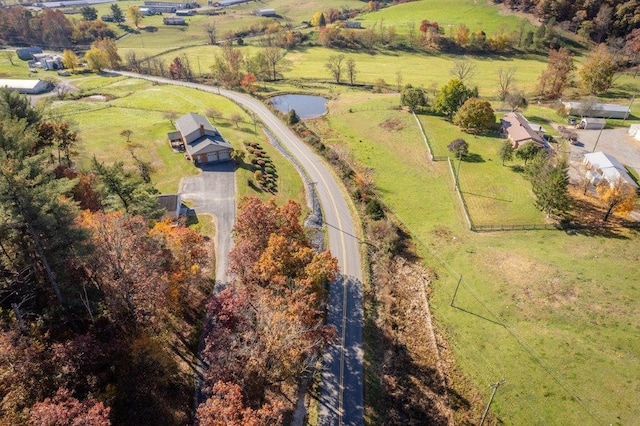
[213, 192]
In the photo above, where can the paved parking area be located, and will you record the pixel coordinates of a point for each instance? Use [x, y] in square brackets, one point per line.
[615, 142]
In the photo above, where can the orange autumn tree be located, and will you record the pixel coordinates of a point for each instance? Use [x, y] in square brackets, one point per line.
[189, 258]
[267, 327]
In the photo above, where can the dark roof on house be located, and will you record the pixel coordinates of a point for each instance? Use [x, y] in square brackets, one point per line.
[191, 122]
[519, 130]
[200, 135]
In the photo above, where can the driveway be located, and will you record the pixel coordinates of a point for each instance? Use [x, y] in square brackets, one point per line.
[615, 142]
[213, 192]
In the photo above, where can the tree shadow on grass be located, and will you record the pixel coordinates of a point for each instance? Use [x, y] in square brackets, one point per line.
[473, 158]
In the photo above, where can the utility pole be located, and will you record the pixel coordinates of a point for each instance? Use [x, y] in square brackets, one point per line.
[495, 387]
[598, 138]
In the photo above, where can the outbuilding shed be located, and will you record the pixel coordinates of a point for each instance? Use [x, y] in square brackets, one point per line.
[597, 110]
[590, 123]
[28, 87]
[608, 167]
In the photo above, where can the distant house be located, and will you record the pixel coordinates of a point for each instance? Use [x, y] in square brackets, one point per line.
[590, 123]
[26, 54]
[353, 24]
[202, 142]
[46, 61]
[27, 87]
[519, 131]
[171, 205]
[174, 20]
[227, 3]
[634, 131]
[604, 166]
[597, 110]
[266, 12]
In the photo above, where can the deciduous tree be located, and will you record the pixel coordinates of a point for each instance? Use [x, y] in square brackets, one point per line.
[619, 197]
[505, 82]
[335, 66]
[475, 116]
[69, 59]
[527, 152]
[597, 73]
[506, 151]
[351, 70]
[555, 78]
[413, 97]
[65, 410]
[134, 15]
[452, 96]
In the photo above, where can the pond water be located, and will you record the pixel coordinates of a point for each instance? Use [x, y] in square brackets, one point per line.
[306, 106]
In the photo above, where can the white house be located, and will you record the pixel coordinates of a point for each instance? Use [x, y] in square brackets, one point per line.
[604, 166]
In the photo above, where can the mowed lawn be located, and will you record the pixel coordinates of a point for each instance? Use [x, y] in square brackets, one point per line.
[494, 194]
[110, 105]
[551, 312]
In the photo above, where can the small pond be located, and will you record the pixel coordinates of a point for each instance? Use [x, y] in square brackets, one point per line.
[306, 106]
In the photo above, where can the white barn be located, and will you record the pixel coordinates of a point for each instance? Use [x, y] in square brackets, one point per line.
[597, 110]
[604, 166]
[27, 87]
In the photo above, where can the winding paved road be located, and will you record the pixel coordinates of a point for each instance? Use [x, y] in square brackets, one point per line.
[342, 391]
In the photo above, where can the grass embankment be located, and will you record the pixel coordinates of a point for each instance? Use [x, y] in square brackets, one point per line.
[551, 312]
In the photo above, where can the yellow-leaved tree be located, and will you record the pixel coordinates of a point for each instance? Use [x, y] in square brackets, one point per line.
[619, 197]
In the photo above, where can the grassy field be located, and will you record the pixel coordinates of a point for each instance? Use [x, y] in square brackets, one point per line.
[551, 312]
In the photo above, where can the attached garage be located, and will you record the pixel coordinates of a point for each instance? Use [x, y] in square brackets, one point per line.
[202, 142]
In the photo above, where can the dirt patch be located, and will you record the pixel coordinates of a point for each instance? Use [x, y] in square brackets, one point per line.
[392, 124]
[96, 98]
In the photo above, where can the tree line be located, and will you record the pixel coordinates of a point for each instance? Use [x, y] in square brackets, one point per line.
[92, 284]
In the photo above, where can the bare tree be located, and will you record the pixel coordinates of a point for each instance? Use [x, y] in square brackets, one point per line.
[463, 68]
[212, 33]
[62, 90]
[235, 119]
[213, 114]
[399, 80]
[10, 56]
[335, 66]
[411, 34]
[351, 70]
[505, 81]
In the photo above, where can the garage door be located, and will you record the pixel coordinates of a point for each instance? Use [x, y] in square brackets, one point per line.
[212, 157]
[224, 155]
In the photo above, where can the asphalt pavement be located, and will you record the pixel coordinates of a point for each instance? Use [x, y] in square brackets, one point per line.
[213, 192]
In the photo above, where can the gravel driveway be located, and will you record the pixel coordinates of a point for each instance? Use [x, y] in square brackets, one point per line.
[615, 142]
[213, 192]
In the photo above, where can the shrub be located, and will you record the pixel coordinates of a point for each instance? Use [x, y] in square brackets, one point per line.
[374, 209]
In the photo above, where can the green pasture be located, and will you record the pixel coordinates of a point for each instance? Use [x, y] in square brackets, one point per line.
[551, 312]
[495, 194]
[476, 15]
[419, 69]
